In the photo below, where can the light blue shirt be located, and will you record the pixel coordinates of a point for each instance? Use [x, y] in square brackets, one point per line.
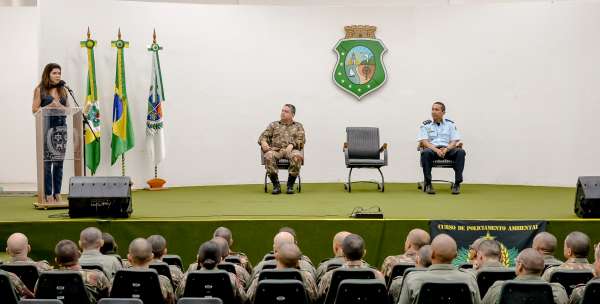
[438, 134]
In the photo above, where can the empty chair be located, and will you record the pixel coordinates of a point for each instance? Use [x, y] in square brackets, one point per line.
[229, 267]
[444, 293]
[40, 301]
[163, 269]
[521, 292]
[361, 292]
[65, 285]
[341, 274]
[362, 150]
[281, 292]
[199, 301]
[28, 273]
[173, 259]
[7, 291]
[398, 270]
[140, 284]
[591, 295]
[487, 277]
[280, 274]
[570, 278]
[216, 284]
[120, 301]
[234, 259]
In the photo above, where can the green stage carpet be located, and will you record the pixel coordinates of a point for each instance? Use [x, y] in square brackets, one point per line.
[187, 216]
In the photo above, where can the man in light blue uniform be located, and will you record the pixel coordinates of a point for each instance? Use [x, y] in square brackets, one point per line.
[439, 139]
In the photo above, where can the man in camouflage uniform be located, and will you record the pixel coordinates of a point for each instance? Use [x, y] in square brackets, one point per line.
[577, 294]
[159, 249]
[20, 289]
[17, 247]
[283, 139]
[140, 256]
[530, 265]
[545, 243]
[225, 233]
[279, 240]
[423, 261]
[353, 247]
[488, 257]
[415, 239]
[288, 256]
[443, 251]
[90, 241]
[338, 254]
[576, 249]
[96, 283]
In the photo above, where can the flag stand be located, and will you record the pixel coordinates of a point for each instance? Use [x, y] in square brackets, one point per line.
[156, 183]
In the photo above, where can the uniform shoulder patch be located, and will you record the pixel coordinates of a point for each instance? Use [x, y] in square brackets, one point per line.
[449, 120]
[426, 122]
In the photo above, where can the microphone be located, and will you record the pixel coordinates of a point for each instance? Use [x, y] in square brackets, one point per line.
[62, 83]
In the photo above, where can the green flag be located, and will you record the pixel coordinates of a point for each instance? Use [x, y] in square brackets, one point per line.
[91, 110]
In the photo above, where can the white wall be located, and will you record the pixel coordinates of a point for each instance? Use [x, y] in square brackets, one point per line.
[520, 80]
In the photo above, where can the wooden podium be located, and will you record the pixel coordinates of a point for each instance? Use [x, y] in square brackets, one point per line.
[59, 137]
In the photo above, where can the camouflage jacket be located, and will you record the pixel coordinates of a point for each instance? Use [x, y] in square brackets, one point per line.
[409, 256]
[572, 263]
[176, 273]
[493, 295]
[279, 135]
[309, 284]
[238, 290]
[577, 294]
[446, 272]
[243, 260]
[304, 264]
[326, 279]
[40, 265]
[96, 283]
[241, 274]
[20, 289]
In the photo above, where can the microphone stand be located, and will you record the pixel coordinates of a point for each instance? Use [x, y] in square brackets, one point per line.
[85, 122]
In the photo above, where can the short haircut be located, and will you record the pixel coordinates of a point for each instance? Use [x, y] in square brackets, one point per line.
[353, 247]
[441, 104]
[289, 230]
[223, 246]
[209, 255]
[159, 244]
[425, 255]
[289, 255]
[225, 233]
[490, 249]
[579, 243]
[67, 253]
[89, 237]
[292, 108]
[110, 245]
[140, 250]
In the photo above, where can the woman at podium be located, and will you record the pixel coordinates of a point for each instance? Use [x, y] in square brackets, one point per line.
[51, 94]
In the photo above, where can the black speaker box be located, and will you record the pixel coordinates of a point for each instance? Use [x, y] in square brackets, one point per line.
[97, 196]
[587, 197]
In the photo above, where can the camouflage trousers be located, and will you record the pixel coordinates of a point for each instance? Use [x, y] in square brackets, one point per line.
[295, 157]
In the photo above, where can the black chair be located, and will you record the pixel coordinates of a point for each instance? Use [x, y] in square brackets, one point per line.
[28, 273]
[522, 292]
[140, 284]
[7, 290]
[439, 163]
[280, 292]
[333, 266]
[548, 265]
[229, 267]
[120, 301]
[361, 292]
[64, 285]
[444, 293]
[269, 257]
[569, 278]
[93, 266]
[487, 277]
[267, 266]
[340, 274]
[406, 272]
[279, 274]
[40, 301]
[465, 266]
[163, 269]
[361, 150]
[173, 259]
[207, 283]
[398, 270]
[234, 259]
[591, 295]
[282, 164]
[199, 301]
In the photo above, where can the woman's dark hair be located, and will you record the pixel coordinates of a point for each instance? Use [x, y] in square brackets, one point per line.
[110, 245]
[45, 85]
[209, 255]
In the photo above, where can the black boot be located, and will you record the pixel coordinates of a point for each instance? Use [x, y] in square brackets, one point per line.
[290, 184]
[276, 186]
[429, 189]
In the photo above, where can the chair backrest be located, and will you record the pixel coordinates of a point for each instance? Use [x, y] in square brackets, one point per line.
[270, 264]
[163, 269]
[64, 285]
[40, 301]
[398, 270]
[280, 274]
[173, 259]
[333, 266]
[141, 284]
[269, 256]
[7, 291]
[591, 294]
[487, 277]
[465, 266]
[93, 266]
[569, 278]
[407, 271]
[340, 274]
[203, 283]
[444, 293]
[199, 301]
[280, 292]
[28, 273]
[120, 301]
[361, 292]
[521, 292]
[229, 267]
[363, 142]
[233, 259]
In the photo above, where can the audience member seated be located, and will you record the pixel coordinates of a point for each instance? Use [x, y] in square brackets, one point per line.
[291, 231]
[338, 254]
[530, 264]
[109, 247]
[240, 272]
[423, 261]
[67, 257]
[415, 239]
[488, 257]
[288, 256]
[159, 249]
[353, 247]
[576, 250]
[209, 256]
[225, 233]
[17, 247]
[577, 294]
[20, 289]
[545, 243]
[286, 238]
[443, 251]
[90, 241]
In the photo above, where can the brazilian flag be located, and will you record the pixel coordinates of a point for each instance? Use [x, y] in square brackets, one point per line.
[122, 129]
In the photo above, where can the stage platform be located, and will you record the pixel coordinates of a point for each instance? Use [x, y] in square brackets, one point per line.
[188, 215]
